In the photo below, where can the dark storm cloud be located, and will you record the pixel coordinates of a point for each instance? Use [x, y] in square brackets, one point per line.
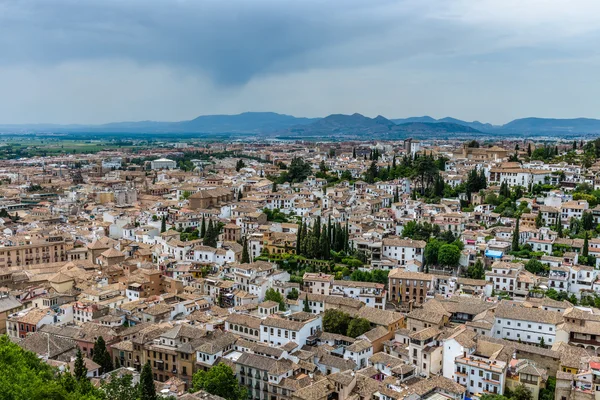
[231, 40]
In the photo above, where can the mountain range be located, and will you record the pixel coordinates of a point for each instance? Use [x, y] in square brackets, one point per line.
[271, 124]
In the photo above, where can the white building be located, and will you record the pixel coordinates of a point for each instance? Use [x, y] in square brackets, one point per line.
[530, 325]
[277, 331]
[163, 163]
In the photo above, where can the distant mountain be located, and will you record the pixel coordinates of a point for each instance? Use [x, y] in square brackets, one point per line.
[332, 126]
[249, 122]
[483, 127]
[435, 128]
[551, 125]
[357, 125]
[341, 124]
[425, 118]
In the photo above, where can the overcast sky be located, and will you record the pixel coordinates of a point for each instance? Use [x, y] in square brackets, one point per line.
[95, 61]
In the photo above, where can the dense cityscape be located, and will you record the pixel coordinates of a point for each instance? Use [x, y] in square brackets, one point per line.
[417, 269]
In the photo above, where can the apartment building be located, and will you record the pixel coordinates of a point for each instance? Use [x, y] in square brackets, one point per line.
[406, 287]
[27, 250]
[371, 293]
[317, 283]
[513, 321]
[297, 328]
[481, 372]
[403, 250]
[172, 353]
[265, 378]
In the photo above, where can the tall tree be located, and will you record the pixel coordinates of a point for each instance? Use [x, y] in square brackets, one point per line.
[586, 246]
[587, 221]
[245, 253]
[146, 386]
[539, 222]
[102, 356]
[203, 227]
[515, 237]
[163, 224]
[299, 238]
[211, 236]
[324, 244]
[559, 228]
[306, 307]
[354, 153]
[80, 370]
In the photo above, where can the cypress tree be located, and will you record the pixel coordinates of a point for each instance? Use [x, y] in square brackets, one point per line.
[515, 238]
[306, 306]
[354, 152]
[346, 238]
[210, 239]
[245, 253]
[324, 244]
[102, 356]
[585, 250]
[80, 370]
[146, 385]
[559, 227]
[203, 228]
[299, 238]
[163, 224]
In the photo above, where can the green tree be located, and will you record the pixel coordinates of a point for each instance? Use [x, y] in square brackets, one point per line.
[431, 252]
[357, 327]
[102, 356]
[163, 224]
[586, 246]
[239, 165]
[547, 393]
[219, 381]
[120, 388]
[273, 295]
[535, 267]
[80, 370]
[336, 321]
[587, 220]
[476, 270]
[293, 294]
[521, 392]
[245, 253]
[203, 227]
[147, 390]
[539, 222]
[211, 236]
[24, 376]
[306, 307]
[515, 236]
[449, 255]
[298, 170]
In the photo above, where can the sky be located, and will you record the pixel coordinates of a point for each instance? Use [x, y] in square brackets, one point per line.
[98, 61]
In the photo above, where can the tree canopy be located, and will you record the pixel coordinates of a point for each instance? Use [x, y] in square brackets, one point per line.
[219, 381]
